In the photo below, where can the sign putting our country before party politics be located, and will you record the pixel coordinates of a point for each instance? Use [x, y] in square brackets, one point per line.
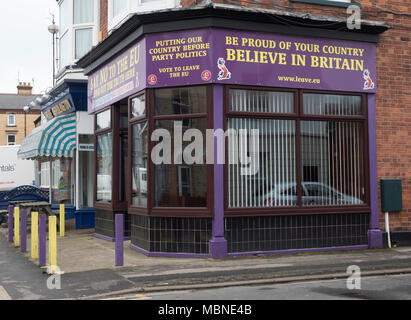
[234, 57]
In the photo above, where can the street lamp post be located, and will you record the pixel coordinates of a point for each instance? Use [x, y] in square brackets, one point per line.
[53, 29]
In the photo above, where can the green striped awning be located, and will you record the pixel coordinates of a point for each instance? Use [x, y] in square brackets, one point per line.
[59, 137]
[54, 139]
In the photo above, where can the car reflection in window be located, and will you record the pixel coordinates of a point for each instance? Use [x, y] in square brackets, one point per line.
[313, 193]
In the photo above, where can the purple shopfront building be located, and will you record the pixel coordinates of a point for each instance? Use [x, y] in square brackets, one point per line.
[309, 181]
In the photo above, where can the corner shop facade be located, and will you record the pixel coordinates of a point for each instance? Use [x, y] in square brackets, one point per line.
[310, 95]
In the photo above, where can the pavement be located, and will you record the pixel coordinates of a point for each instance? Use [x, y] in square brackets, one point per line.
[88, 269]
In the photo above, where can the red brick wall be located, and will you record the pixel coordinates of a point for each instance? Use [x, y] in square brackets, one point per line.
[393, 100]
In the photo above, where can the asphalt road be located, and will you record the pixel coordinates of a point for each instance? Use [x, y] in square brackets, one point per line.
[397, 287]
[21, 279]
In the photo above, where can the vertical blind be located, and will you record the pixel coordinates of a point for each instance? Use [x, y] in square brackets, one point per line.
[331, 104]
[331, 151]
[273, 184]
[261, 101]
[332, 163]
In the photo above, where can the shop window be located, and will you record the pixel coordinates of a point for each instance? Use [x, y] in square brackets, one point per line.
[61, 181]
[45, 174]
[139, 165]
[335, 148]
[261, 101]
[182, 182]
[104, 168]
[103, 120]
[276, 168]
[86, 170]
[303, 160]
[180, 101]
[11, 139]
[56, 174]
[138, 106]
[332, 104]
[11, 119]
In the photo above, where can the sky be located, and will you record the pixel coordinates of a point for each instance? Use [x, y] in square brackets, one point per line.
[26, 50]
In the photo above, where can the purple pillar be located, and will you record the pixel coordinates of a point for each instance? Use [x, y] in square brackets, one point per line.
[23, 231]
[11, 223]
[374, 234]
[218, 244]
[119, 234]
[42, 239]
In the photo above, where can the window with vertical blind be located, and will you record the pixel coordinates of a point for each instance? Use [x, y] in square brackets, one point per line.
[303, 160]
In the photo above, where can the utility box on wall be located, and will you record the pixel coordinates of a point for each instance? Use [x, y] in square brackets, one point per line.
[391, 195]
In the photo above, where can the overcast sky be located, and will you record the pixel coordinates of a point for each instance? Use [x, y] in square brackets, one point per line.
[26, 44]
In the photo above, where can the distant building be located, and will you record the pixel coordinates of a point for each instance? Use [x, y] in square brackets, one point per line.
[15, 124]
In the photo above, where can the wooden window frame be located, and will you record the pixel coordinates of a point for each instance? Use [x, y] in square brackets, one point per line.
[132, 209]
[150, 116]
[298, 116]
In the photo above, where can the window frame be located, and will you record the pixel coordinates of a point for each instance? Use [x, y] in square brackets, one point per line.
[45, 172]
[298, 116]
[15, 139]
[14, 120]
[150, 117]
[77, 28]
[69, 33]
[133, 6]
[104, 205]
[131, 122]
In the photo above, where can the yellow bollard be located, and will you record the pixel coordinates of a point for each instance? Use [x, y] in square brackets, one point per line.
[62, 220]
[17, 227]
[34, 235]
[53, 244]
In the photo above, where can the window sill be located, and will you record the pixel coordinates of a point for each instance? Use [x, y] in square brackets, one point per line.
[329, 3]
[273, 211]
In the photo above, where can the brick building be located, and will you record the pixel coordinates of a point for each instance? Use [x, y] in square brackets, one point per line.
[393, 98]
[232, 216]
[15, 123]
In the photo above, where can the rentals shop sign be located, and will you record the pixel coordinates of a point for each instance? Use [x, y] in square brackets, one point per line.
[234, 57]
